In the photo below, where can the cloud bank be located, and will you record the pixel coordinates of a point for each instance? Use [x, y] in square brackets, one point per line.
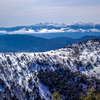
[52, 28]
[30, 31]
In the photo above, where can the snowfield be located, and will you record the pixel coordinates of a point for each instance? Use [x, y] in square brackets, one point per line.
[21, 69]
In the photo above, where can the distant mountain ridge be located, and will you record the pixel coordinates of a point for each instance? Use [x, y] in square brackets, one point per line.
[52, 30]
[54, 25]
[27, 43]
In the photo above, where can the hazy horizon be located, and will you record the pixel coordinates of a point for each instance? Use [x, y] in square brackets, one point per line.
[29, 12]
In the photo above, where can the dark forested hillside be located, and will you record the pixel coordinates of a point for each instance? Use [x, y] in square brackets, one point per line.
[67, 83]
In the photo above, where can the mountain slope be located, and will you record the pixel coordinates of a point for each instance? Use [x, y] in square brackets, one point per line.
[37, 75]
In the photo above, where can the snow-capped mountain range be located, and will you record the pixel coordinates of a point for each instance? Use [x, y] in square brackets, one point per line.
[19, 72]
[52, 28]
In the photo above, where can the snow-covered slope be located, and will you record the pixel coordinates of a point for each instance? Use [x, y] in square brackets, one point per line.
[18, 71]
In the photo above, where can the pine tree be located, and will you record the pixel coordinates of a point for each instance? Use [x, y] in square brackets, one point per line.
[57, 96]
[92, 95]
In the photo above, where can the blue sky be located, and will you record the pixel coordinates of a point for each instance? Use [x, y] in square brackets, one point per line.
[29, 12]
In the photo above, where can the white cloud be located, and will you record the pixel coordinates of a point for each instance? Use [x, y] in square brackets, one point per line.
[51, 31]
[94, 30]
[82, 30]
[3, 32]
[22, 31]
[71, 30]
[30, 31]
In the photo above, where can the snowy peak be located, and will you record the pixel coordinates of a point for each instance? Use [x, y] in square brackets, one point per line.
[52, 28]
[82, 24]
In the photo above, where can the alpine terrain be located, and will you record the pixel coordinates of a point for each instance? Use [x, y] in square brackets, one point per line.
[68, 71]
